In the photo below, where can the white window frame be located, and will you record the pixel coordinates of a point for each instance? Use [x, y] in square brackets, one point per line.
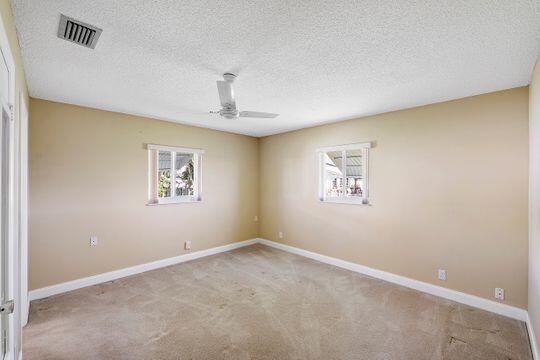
[153, 152]
[364, 200]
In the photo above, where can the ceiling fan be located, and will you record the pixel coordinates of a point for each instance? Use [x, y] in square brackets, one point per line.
[228, 103]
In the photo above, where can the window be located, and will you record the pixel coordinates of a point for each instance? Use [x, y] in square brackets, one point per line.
[343, 175]
[174, 174]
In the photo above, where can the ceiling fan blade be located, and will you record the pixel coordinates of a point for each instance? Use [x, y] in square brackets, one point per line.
[226, 94]
[256, 114]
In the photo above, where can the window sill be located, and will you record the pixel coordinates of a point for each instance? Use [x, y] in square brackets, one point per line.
[345, 201]
[181, 200]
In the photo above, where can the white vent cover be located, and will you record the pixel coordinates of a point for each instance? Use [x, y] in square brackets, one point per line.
[78, 32]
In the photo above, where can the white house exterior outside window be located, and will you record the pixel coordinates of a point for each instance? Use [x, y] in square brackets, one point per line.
[344, 173]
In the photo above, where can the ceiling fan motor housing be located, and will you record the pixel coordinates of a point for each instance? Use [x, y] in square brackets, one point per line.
[229, 77]
[229, 113]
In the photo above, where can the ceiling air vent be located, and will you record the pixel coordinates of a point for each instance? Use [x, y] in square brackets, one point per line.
[78, 32]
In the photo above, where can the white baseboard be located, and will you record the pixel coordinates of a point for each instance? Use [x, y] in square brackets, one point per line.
[534, 345]
[471, 300]
[117, 274]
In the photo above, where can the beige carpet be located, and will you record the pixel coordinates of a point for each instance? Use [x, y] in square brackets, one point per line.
[262, 303]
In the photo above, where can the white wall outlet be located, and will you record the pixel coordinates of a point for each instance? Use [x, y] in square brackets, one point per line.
[187, 245]
[442, 274]
[93, 240]
[255, 218]
[280, 234]
[499, 293]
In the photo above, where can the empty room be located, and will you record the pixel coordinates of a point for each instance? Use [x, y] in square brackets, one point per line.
[279, 179]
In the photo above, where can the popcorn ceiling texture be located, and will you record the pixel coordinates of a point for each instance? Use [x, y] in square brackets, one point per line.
[310, 61]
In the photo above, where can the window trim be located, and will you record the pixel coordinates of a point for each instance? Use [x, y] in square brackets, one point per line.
[364, 200]
[153, 153]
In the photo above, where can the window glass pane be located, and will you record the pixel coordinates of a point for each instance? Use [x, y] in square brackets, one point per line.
[355, 182]
[164, 174]
[184, 174]
[333, 174]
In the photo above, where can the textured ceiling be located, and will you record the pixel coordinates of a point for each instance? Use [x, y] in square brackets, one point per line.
[310, 61]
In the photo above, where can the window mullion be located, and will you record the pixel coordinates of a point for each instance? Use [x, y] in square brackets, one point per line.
[343, 173]
[196, 181]
[173, 174]
[153, 162]
[157, 172]
[322, 176]
[365, 175]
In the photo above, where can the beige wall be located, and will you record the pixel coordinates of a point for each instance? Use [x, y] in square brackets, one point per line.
[448, 187]
[534, 202]
[88, 176]
[21, 92]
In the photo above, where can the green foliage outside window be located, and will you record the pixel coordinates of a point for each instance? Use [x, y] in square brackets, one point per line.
[164, 184]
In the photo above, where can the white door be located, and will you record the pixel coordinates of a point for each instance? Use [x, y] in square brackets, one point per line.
[6, 306]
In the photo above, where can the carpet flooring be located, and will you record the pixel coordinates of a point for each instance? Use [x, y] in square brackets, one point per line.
[261, 303]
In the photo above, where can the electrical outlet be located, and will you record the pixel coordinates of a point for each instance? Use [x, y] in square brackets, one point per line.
[187, 245]
[280, 234]
[255, 218]
[93, 240]
[499, 293]
[442, 274]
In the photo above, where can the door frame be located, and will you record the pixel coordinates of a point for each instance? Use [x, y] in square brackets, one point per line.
[23, 207]
[13, 258]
